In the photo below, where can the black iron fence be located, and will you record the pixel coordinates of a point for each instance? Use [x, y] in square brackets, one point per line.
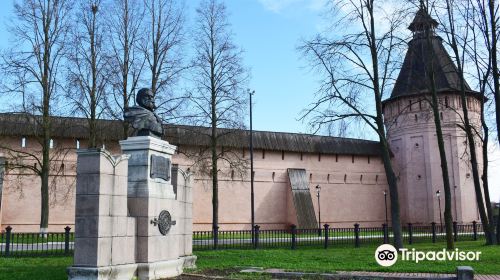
[355, 236]
[14, 244]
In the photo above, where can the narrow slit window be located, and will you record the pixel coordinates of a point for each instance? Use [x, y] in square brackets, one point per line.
[301, 156]
[352, 158]
[23, 142]
[345, 178]
[77, 144]
[368, 159]
[263, 154]
[51, 143]
[416, 118]
[282, 155]
[319, 157]
[336, 158]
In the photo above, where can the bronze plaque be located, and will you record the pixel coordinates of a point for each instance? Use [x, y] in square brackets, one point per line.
[160, 167]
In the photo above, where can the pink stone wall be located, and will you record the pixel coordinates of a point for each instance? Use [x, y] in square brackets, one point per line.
[417, 163]
[352, 191]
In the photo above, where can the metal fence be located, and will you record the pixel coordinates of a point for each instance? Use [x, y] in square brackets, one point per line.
[14, 244]
[355, 236]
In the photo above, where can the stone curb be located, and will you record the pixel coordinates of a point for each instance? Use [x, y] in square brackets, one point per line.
[277, 274]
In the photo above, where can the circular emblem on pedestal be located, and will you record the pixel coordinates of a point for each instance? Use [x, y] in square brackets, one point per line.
[165, 222]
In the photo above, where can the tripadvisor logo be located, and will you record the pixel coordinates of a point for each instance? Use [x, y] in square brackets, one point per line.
[387, 255]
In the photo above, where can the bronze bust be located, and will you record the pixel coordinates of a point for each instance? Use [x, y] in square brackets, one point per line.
[142, 118]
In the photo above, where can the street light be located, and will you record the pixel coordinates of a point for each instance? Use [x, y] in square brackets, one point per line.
[438, 194]
[252, 197]
[385, 201]
[318, 190]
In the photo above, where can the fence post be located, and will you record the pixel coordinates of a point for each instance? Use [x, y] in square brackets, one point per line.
[256, 236]
[8, 232]
[216, 236]
[433, 225]
[474, 229]
[356, 235]
[455, 231]
[410, 233]
[326, 235]
[386, 233]
[294, 233]
[66, 239]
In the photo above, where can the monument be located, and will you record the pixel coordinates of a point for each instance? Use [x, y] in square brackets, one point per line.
[130, 221]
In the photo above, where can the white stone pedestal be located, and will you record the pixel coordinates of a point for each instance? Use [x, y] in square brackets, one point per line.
[157, 255]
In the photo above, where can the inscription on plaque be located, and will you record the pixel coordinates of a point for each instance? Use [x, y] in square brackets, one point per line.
[160, 167]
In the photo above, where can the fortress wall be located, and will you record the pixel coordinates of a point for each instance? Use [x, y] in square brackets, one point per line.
[350, 191]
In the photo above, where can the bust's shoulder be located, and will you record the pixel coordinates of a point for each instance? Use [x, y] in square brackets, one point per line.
[136, 110]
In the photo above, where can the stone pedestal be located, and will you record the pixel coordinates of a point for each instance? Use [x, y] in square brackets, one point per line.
[151, 193]
[129, 220]
[104, 234]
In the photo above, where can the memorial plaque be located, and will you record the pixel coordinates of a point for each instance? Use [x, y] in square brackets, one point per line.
[160, 167]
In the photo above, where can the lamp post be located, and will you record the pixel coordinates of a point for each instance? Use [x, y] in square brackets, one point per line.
[385, 201]
[318, 190]
[252, 204]
[438, 194]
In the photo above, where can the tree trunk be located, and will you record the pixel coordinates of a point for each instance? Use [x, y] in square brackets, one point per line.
[448, 219]
[391, 177]
[487, 226]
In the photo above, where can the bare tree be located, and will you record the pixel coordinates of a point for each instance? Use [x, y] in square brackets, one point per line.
[162, 51]
[358, 69]
[459, 43]
[32, 66]
[426, 30]
[218, 97]
[88, 67]
[125, 27]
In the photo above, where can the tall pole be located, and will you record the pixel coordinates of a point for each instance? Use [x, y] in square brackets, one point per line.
[252, 204]
[438, 194]
[318, 189]
[385, 201]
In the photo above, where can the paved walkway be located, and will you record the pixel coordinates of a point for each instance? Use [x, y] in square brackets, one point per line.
[417, 275]
[283, 274]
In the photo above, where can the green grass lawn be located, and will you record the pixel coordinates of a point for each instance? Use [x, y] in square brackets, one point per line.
[345, 259]
[333, 259]
[36, 268]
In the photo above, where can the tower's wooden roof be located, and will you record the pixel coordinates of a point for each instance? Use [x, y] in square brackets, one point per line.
[414, 77]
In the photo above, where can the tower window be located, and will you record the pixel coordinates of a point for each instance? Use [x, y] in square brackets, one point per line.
[51, 144]
[319, 157]
[77, 144]
[352, 158]
[274, 174]
[441, 115]
[328, 178]
[263, 154]
[336, 158]
[416, 118]
[345, 178]
[310, 177]
[446, 101]
[282, 155]
[368, 159]
[23, 142]
[301, 156]
[410, 105]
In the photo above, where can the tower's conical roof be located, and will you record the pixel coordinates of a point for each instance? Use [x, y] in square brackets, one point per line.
[415, 72]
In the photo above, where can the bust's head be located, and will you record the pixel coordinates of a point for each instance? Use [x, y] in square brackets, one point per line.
[145, 99]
